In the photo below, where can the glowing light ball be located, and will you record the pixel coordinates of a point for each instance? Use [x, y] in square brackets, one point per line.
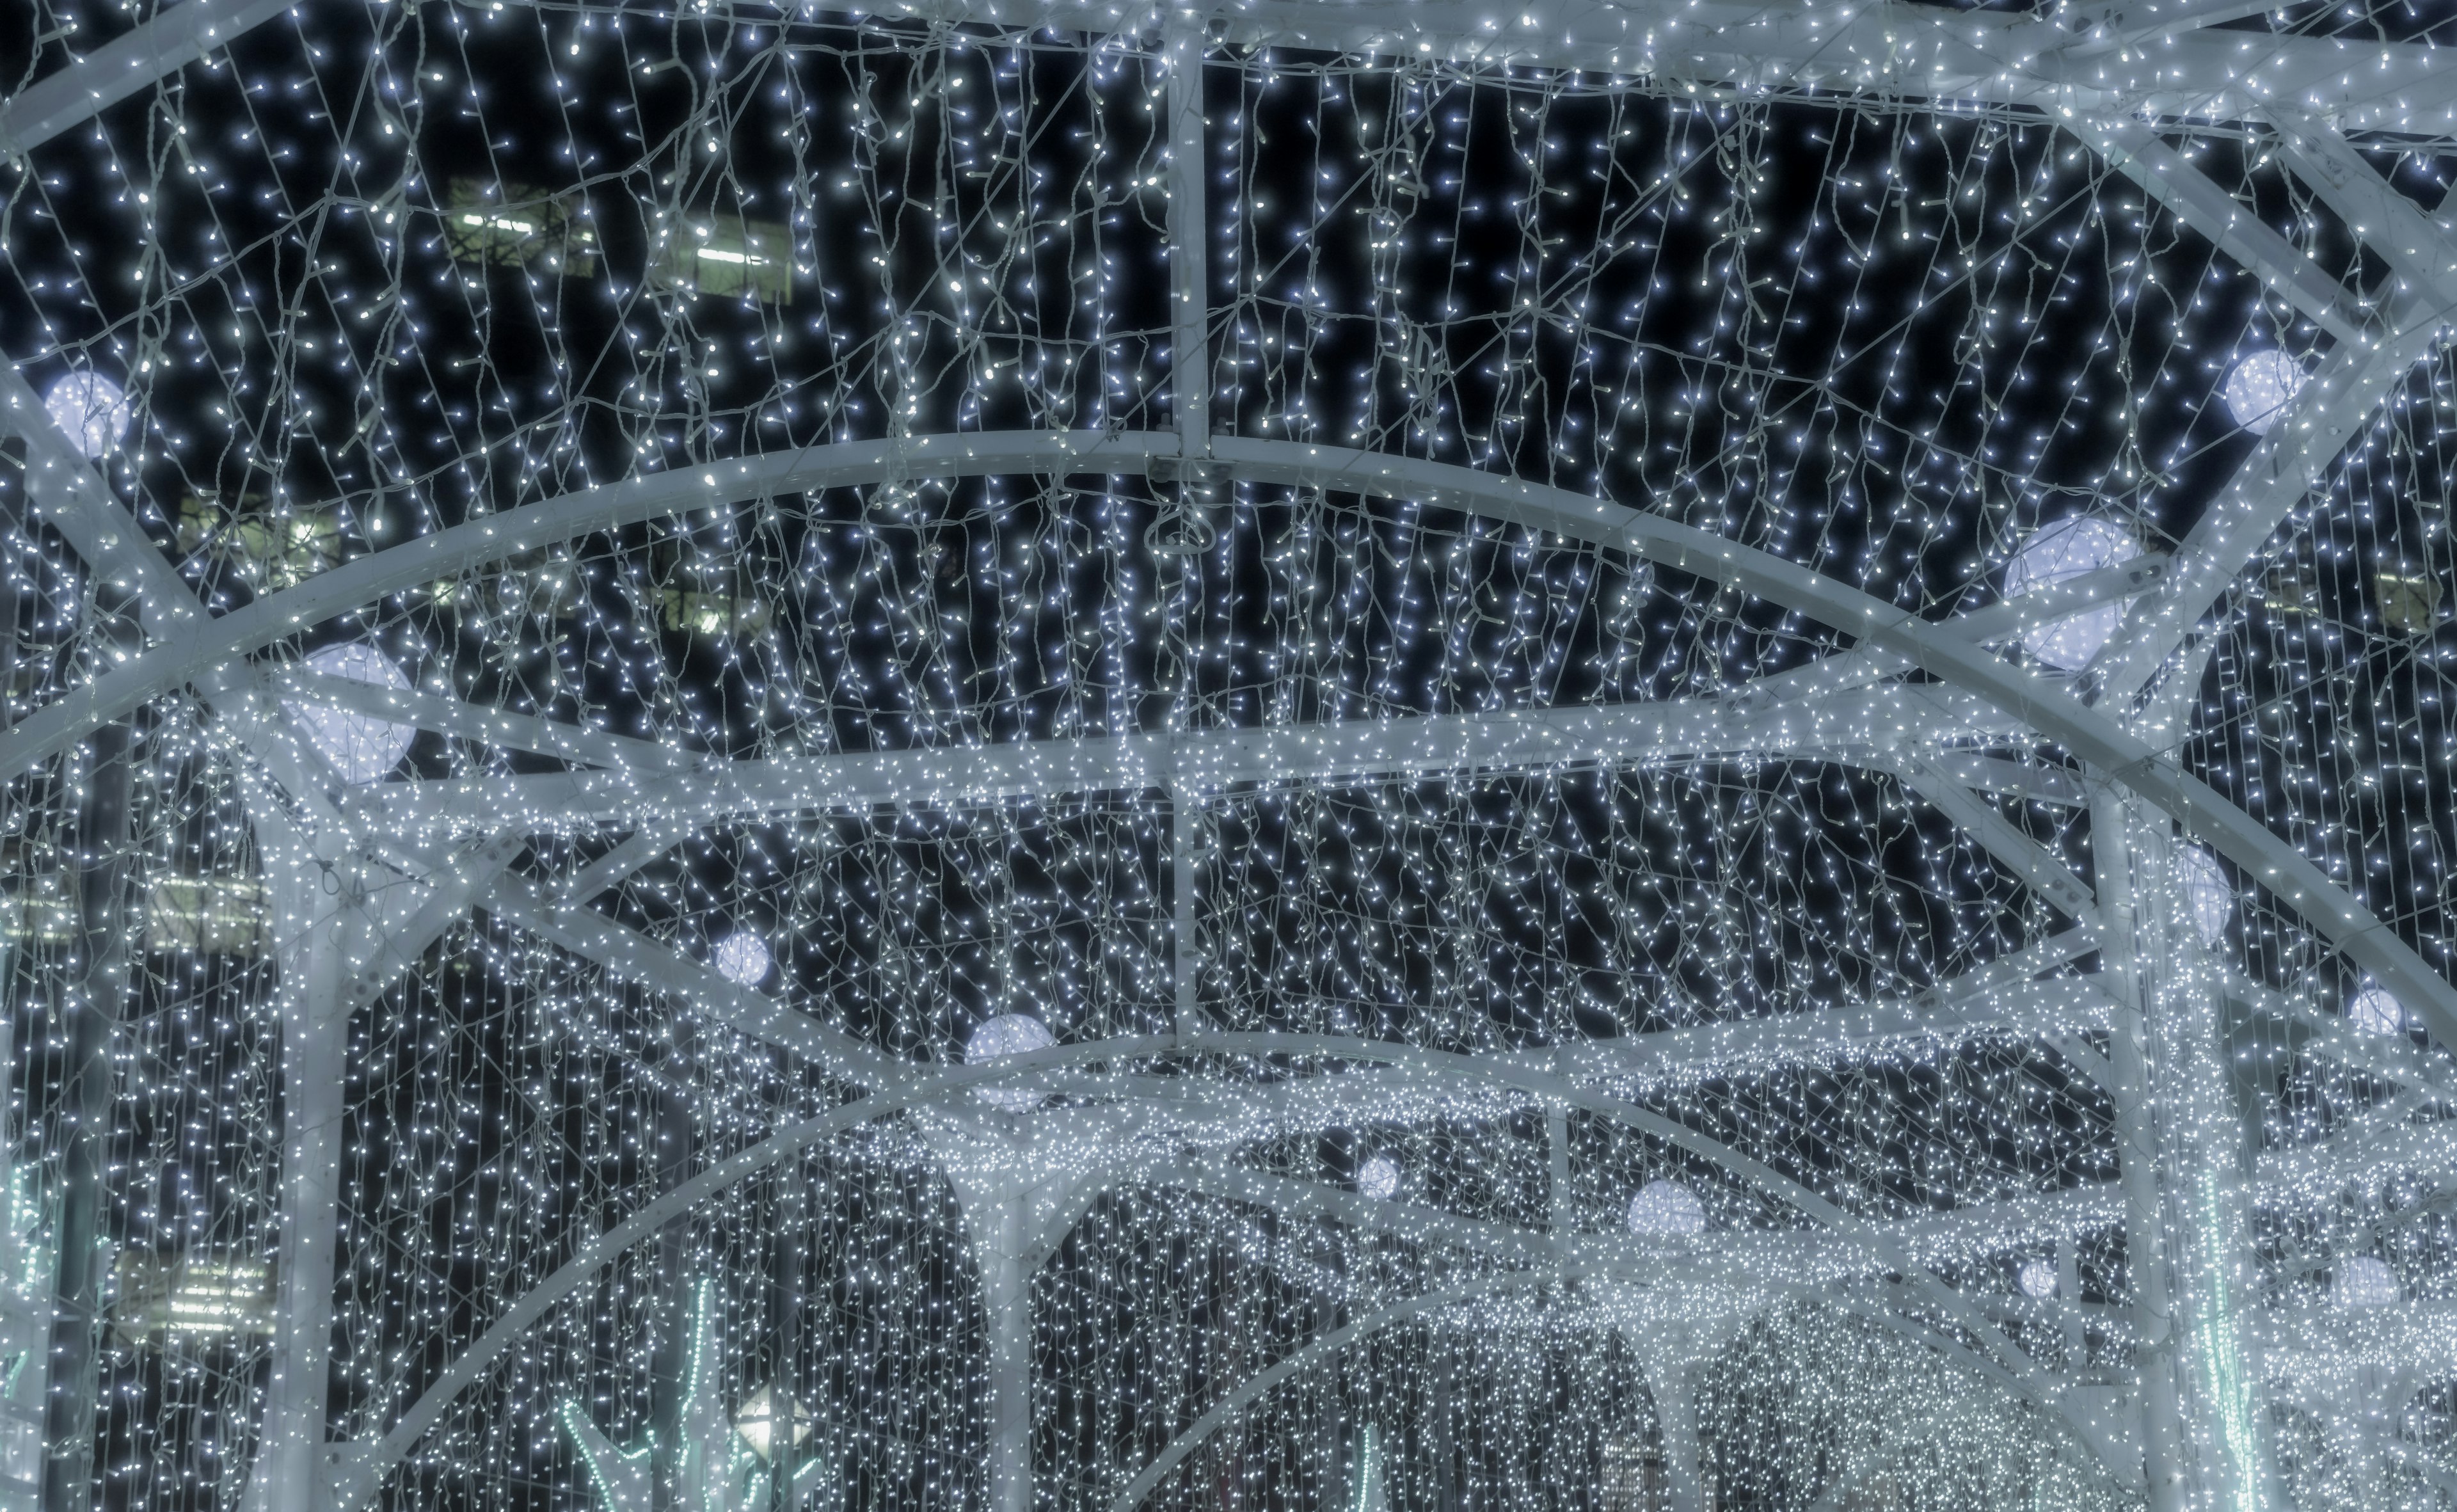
[2037, 1279]
[1379, 1178]
[2375, 1011]
[997, 1039]
[2205, 892]
[361, 747]
[2070, 548]
[2367, 1281]
[1666, 1207]
[743, 958]
[2261, 387]
[91, 410]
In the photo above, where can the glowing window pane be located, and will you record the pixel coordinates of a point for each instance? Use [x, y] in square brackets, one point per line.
[2070, 548]
[92, 410]
[361, 748]
[2375, 1011]
[743, 958]
[1666, 1207]
[1379, 1178]
[2260, 389]
[2206, 892]
[1007, 1034]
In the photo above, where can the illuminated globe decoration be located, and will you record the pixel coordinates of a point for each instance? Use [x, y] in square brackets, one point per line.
[2261, 386]
[743, 958]
[1667, 1208]
[361, 747]
[2367, 1281]
[997, 1039]
[2376, 1010]
[2206, 893]
[2037, 1278]
[2054, 553]
[92, 410]
[1379, 1178]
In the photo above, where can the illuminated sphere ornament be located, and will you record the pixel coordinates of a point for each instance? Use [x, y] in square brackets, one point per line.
[2070, 548]
[92, 410]
[2375, 1011]
[758, 1419]
[997, 1039]
[2261, 387]
[2206, 892]
[2037, 1279]
[361, 747]
[1379, 1178]
[743, 958]
[2367, 1281]
[1667, 1208]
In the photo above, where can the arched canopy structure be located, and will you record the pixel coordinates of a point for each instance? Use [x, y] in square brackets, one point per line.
[1020, 756]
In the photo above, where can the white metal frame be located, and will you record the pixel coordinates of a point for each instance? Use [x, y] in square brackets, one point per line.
[2108, 73]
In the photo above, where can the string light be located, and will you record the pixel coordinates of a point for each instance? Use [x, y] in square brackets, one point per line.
[1547, 886]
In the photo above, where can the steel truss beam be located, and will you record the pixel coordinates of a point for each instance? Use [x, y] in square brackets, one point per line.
[2044, 705]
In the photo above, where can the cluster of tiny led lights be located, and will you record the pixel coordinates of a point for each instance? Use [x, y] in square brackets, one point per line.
[1947, 360]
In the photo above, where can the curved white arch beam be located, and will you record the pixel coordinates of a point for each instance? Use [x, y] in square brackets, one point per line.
[2046, 706]
[1259, 1385]
[362, 1473]
[1313, 1351]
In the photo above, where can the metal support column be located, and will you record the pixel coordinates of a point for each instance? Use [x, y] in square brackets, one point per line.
[2225, 1413]
[1185, 967]
[2136, 1138]
[1670, 1379]
[92, 1007]
[292, 1469]
[1006, 1293]
[1188, 276]
[1557, 1202]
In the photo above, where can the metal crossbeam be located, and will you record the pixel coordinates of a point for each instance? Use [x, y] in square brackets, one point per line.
[173, 38]
[1890, 50]
[1853, 727]
[480, 724]
[2044, 705]
[2280, 472]
[68, 494]
[2136, 152]
[361, 1475]
[2419, 250]
[634, 956]
[2039, 868]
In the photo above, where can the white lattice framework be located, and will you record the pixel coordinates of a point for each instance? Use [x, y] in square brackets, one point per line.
[2083, 790]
